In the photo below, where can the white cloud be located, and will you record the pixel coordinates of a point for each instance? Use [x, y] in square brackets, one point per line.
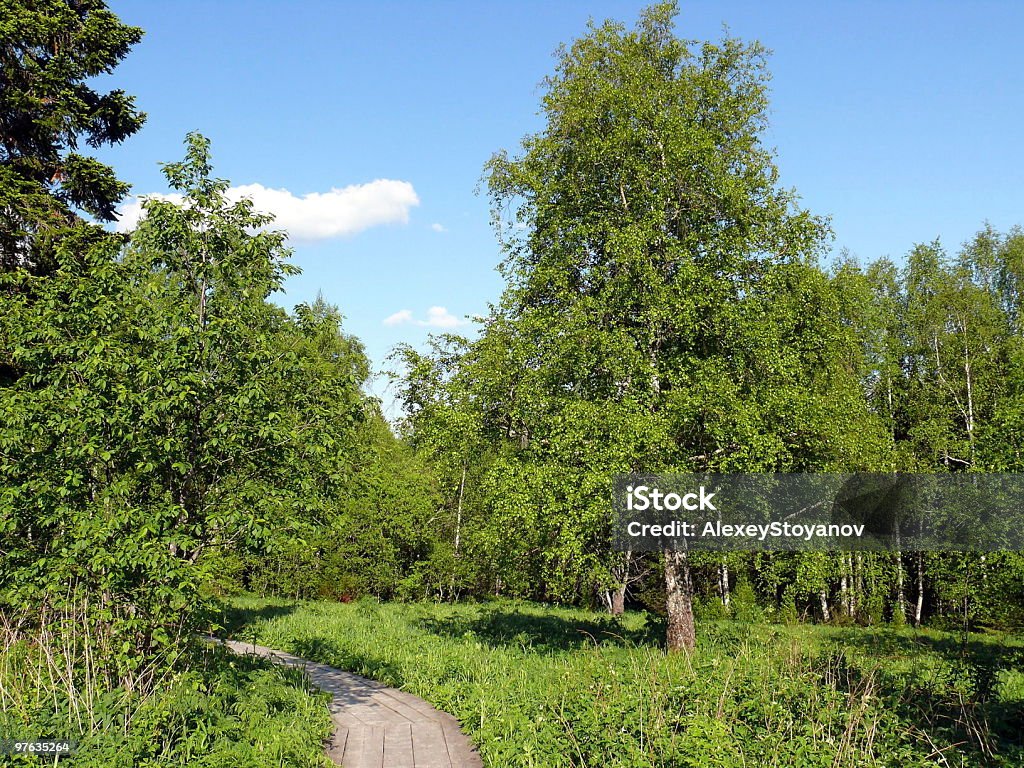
[438, 227]
[402, 316]
[316, 215]
[437, 317]
[130, 213]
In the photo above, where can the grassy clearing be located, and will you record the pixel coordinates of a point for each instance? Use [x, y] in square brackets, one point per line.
[223, 712]
[539, 686]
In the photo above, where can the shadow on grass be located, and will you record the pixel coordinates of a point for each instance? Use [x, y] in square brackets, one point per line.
[508, 626]
[236, 620]
[957, 700]
[975, 652]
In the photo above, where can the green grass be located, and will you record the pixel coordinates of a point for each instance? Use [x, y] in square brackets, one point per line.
[541, 686]
[221, 712]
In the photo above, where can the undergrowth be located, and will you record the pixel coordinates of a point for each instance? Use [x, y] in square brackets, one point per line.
[538, 686]
[204, 708]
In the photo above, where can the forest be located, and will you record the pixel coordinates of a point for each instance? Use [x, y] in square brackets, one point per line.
[180, 456]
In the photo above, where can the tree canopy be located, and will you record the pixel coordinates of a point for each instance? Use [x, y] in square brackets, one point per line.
[50, 52]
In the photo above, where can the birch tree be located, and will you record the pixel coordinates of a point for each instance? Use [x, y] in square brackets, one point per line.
[661, 278]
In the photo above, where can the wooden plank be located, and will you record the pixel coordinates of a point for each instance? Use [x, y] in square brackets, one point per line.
[425, 709]
[428, 746]
[460, 751]
[398, 746]
[335, 746]
[398, 706]
[373, 713]
[365, 747]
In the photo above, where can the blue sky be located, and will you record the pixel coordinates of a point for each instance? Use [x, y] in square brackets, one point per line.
[902, 121]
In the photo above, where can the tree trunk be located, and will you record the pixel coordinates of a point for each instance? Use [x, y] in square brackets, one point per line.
[848, 586]
[681, 633]
[969, 416]
[901, 593]
[856, 583]
[826, 615]
[618, 605]
[622, 573]
[723, 582]
[458, 511]
[920, 590]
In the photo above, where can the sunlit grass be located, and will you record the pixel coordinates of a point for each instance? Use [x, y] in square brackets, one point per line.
[541, 686]
[216, 710]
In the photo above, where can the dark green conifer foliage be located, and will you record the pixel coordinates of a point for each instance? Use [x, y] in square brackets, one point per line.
[49, 52]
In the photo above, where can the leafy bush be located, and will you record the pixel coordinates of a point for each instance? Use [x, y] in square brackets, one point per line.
[221, 712]
[744, 603]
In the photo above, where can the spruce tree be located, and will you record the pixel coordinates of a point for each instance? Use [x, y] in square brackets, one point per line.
[50, 50]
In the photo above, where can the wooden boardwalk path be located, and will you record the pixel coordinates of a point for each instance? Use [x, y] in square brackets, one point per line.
[376, 726]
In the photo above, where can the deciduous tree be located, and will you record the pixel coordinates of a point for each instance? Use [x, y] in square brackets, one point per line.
[661, 281]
